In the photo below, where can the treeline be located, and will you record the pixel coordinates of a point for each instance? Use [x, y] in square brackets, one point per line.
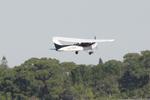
[48, 79]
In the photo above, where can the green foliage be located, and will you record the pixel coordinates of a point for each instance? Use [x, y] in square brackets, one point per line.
[48, 79]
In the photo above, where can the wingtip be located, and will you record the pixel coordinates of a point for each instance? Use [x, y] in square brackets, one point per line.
[113, 40]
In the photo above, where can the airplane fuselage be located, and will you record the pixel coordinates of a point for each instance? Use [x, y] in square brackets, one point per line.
[71, 48]
[75, 44]
[76, 47]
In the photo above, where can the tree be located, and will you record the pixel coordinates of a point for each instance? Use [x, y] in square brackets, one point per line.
[104, 80]
[81, 74]
[48, 79]
[135, 75]
[7, 84]
[4, 62]
[100, 61]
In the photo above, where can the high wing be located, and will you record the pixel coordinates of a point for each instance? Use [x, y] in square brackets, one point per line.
[76, 40]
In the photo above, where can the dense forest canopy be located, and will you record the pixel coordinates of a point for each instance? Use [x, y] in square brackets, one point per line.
[48, 79]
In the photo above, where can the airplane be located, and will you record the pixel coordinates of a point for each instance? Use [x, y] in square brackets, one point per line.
[76, 44]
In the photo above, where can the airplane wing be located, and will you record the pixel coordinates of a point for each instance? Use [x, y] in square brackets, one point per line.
[76, 40]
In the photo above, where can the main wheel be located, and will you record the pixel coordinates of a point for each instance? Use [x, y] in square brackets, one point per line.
[76, 52]
[90, 53]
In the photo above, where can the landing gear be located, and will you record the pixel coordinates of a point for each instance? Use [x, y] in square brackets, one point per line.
[76, 52]
[91, 52]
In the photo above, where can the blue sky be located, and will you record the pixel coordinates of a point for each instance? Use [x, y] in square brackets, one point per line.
[27, 27]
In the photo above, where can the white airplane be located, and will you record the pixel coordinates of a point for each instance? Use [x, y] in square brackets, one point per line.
[76, 45]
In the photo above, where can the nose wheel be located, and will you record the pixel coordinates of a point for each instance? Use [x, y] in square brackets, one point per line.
[76, 52]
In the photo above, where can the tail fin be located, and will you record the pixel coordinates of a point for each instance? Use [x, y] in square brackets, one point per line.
[95, 37]
[57, 46]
